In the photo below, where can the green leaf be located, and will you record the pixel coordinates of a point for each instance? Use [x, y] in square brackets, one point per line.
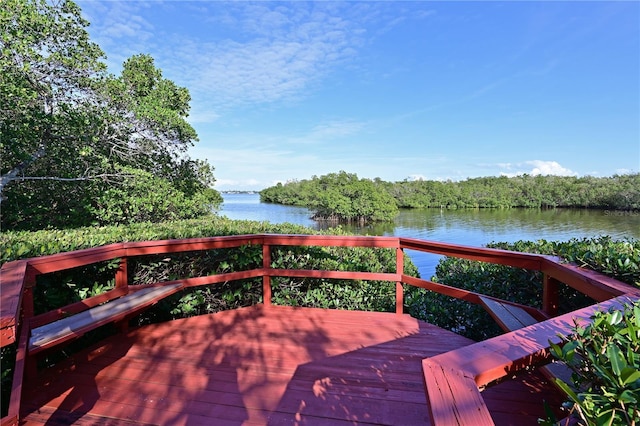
[566, 389]
[629, 375]
[616, 317]
[618, 363]
[628, 397]
[605, 418]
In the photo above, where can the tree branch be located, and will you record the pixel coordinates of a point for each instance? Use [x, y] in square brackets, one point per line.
[76, 179]
[13, 173]
[12, 176]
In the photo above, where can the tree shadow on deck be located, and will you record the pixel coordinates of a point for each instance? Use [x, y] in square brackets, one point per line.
[382, 384]
[234, 367]
[68, 391]
[257, 365]
[377, 384]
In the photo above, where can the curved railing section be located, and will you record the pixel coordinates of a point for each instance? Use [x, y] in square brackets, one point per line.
[461, 372]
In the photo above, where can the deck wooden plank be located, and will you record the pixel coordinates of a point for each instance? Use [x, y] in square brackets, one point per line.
[454, 398]
[256, 366]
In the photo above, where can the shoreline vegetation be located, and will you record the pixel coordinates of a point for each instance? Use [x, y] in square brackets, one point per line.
[343, 197]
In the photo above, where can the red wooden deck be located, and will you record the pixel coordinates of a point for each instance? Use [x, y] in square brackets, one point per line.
[264, 365]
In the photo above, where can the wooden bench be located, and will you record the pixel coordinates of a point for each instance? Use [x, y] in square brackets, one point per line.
[54, 333]
[509, 318]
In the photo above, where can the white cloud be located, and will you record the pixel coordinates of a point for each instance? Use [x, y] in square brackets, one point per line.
[335, 129]
[203, 116]
[535, 168]
[120, 29]
[417, 177]
[625, 171]
[506, 166]
[549, 168]
[262, 54]
[239, 54]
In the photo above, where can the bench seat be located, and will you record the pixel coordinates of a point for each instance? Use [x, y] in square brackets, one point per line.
[59, 331]
[509, 318]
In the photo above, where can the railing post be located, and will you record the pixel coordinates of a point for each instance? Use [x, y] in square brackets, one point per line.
[550, 292]
[399, 290]
[266, 279]
[122, 277]
[28, 310]
[122, 281]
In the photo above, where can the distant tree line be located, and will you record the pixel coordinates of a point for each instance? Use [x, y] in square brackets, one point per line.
[619, 192]
[347, 197]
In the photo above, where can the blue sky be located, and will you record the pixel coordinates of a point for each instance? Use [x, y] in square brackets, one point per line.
[395, 90]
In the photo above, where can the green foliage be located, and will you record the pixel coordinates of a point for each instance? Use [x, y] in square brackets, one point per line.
[62, 288]
[23, 244]
[605, 359]
[73, 138]
[617, 259]
[50, 70]
[7, 361]
[145, 198]
[619, 192]
[340, 197]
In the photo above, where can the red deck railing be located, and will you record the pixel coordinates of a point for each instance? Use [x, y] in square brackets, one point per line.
[461, 372]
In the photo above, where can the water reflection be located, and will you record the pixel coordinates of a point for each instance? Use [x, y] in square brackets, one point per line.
[468, 227]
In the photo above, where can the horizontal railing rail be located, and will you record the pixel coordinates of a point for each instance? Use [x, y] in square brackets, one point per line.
[471, 367]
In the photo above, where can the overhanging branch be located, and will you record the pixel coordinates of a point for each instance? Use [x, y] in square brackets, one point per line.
[76, 179]
[14, 173]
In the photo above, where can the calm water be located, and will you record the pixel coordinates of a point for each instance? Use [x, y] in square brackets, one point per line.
[468, 227]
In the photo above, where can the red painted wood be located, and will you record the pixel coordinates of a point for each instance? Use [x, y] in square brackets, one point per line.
[502, 257]
[466, 295]
[500, 356]
[266, 279]
[454, 398]
[122, 274]
[340, 275]
[258, 365]
[454, 292]
[18, 380]
[550, 295]
[485, 364]
[399, 289]
[74, 259]
[11, 282]
[53, 334]
[595, 285]
[331, 240]
[219, 278]
[192, 244]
